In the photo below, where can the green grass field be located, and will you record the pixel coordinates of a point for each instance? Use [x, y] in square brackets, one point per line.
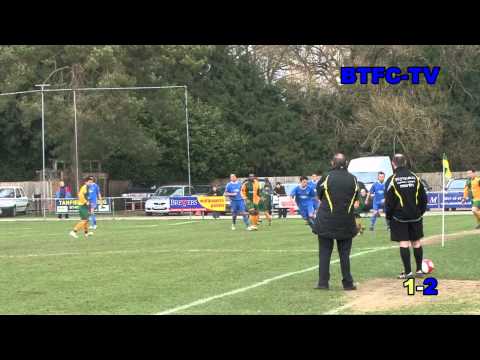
[157, 266]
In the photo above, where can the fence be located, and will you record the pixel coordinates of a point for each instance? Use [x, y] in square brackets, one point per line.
[119, 206]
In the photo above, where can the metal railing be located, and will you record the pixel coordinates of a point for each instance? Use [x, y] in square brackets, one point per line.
[120, 206]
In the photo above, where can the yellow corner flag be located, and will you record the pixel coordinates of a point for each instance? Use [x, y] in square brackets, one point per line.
[446, 167]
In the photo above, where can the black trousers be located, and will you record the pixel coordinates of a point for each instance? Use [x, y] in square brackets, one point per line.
[282, 213]
[344, 247]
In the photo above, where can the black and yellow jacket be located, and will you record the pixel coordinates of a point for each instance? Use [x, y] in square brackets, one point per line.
[405, 197]
[337, 191]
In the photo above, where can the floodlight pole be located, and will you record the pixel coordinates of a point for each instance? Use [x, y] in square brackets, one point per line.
[188, 146]
[42, 86]
[76, 137]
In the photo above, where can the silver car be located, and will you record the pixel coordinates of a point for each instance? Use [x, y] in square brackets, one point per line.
[12, 200]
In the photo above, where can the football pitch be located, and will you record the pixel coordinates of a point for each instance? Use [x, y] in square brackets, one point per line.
[203, 267]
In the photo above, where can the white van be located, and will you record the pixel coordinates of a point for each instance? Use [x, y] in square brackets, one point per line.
[366, 168]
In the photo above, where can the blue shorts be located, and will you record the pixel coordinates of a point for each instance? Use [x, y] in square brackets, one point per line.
[306, 211]
[378, 206]
[237, 206]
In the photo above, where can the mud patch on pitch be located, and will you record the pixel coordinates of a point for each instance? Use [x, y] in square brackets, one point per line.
[436, 239]
[389, 295]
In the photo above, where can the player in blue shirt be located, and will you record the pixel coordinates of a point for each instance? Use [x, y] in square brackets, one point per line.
[93, 196]
[313, 184]
[237, 202]
[377, 192]
[304, 196]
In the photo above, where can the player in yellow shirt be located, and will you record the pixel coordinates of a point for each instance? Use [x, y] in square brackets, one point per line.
[472, 191]
[83, 210]
[251, 193]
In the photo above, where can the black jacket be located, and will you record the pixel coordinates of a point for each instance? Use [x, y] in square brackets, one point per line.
[279, 191]
[405, 196]
[337, 191]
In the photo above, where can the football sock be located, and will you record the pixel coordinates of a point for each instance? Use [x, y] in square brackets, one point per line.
[477, 215]
[234, 219]
[405, 255]
[311, 223]
[245, 220]
[418, 253]
[373, 220]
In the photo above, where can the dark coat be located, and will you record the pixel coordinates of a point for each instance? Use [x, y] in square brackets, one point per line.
[336, 218]
[405, 185]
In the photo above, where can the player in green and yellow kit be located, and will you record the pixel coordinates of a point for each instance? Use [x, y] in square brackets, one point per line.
[83, 210]
[472, 191]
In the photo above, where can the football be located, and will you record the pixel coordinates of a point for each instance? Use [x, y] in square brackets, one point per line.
[427, 266]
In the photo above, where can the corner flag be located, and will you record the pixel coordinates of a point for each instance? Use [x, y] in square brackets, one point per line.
[447, 174]
[446, 168]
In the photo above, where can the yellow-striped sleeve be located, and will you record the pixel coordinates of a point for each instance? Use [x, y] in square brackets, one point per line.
[82, 195]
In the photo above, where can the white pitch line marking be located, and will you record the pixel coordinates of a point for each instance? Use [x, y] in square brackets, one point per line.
[147, 251]
[338, 309]
[258, 284]
[185, 222]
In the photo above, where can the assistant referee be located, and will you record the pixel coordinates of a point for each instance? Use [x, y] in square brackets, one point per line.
[405, 204]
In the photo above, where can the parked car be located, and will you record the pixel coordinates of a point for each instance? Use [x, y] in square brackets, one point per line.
[139, 191]
[159, 201]
[13, 200]
[454, 195]
[456, 185]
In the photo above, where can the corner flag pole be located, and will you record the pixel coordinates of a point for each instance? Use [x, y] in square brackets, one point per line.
[443, 202]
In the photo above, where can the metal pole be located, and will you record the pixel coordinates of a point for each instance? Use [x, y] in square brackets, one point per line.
[76, 137]
[43, 151]
[188, 146]
[42, 86]
[443, 204]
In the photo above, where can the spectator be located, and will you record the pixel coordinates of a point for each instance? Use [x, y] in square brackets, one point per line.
[361, 209]
[279, 190]
[215, 192]
[63, 193]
